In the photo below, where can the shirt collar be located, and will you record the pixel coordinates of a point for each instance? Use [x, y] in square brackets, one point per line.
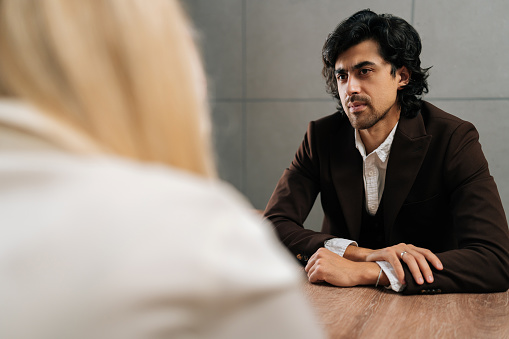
[382, 151]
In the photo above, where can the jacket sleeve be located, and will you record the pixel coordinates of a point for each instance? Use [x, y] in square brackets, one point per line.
[481, 261]
[293, 199]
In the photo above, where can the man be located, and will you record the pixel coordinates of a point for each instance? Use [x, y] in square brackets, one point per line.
[405, 188]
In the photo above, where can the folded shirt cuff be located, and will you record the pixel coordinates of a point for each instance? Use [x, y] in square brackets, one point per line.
[395, 285]
[339, 245]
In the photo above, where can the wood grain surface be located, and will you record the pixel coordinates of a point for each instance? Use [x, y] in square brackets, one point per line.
[368, 312]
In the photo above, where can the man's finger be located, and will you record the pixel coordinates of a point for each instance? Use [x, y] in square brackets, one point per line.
[315, 275]
[430, 256]
[434, 260]
[423, 266]
[398, 269]
[310, 263]
[409, 259]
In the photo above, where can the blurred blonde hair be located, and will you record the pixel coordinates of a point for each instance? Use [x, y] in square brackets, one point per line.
[125, 73]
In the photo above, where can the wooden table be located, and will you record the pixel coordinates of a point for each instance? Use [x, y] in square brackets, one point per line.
[368, 312]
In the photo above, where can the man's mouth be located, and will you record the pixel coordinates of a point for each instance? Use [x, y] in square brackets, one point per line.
[357, 106]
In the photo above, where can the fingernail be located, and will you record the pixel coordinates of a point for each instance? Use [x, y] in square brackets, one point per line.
[420, 281]
[430, 278]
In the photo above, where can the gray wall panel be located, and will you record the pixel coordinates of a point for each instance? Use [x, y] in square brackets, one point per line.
[285, 39]
[274, 132]
[219, 35]
[466, 43]
[228, 139]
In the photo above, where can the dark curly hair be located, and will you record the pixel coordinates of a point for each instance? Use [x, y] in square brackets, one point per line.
[399, 44]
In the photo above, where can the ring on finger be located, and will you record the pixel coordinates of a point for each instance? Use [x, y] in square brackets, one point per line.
[403, 253]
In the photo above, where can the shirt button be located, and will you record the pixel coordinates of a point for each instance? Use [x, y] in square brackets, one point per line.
[371, 173]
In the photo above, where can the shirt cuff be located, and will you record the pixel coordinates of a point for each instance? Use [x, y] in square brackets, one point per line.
[339, 245]
[395, 285]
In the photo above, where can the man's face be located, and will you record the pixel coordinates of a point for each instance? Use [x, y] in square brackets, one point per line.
[367, 89]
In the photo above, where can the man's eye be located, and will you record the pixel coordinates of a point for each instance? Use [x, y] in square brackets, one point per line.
[365, 71]
[341, 76]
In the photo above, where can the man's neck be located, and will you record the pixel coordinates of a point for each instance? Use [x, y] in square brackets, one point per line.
[376, 135]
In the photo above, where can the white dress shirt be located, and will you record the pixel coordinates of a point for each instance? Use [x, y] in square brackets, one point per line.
[374, 170]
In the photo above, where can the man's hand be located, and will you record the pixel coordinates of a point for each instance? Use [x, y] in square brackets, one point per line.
[416, 258]
[330, 267]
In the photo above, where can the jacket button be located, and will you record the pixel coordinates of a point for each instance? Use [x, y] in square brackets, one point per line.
[299, 256]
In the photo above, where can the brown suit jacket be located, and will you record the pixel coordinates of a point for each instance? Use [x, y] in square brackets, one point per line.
[438, 194]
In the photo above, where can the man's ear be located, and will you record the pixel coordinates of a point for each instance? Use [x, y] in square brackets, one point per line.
[404, 77]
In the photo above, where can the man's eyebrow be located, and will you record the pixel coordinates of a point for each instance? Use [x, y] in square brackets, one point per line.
[364, 64]
[358, 66]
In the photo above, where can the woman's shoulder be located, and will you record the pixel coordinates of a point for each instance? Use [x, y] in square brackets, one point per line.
[122, 199]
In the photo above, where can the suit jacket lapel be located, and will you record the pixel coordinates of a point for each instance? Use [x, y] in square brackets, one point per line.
[408, 150]
[346, 171]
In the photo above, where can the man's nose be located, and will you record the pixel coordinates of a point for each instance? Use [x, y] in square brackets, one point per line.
[352, 86]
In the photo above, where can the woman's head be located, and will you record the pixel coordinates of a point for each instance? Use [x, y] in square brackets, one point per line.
[126, 73]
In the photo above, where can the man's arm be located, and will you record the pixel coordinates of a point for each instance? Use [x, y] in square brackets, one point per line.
[417, 260]
[481, 262]
[327, 266]
[293, 199]
[478, 256]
